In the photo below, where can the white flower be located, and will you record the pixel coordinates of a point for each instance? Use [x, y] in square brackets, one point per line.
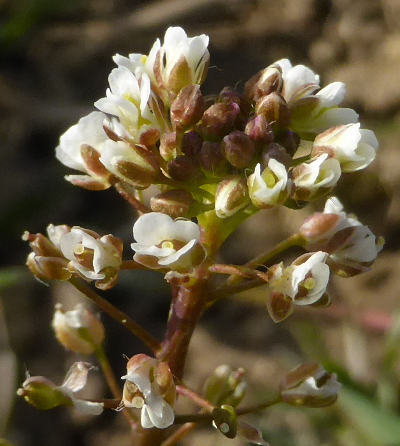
[267, 188]
[182, 60]
[304, 281]
[134, 164]
[162, 242]
[353, 147]
[87, 132]
[360, 245]
[78, 330]
[320, 172]
[132, 101]
[90, 254]
[313, 109]
[150, 387]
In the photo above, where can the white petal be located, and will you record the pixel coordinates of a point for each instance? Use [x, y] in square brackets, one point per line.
[178, 255]
[88, 407]
[332, 95]
[145, 420]
[152, 228]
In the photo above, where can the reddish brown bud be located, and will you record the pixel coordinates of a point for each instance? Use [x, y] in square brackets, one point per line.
[168, 149]
[149, 137]
[229, 95]
[276, 151]
[259, 130]
[274, 108]
[290, 140]
[264, 82]
[175, 203]
[191, 144]
[279, 306]
[48, 268]
[238, 149]
[182, 168]
[90, 157]
[231, 196]
[187, 108]
[211, 157]
[218, 120]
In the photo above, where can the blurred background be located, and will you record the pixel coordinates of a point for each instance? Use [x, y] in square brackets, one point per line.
[55, 58]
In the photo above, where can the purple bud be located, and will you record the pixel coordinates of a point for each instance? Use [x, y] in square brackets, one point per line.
[218, 120]
[238, 149]
[259, 130]
[182, 168]
[274, 108]
[187, 108]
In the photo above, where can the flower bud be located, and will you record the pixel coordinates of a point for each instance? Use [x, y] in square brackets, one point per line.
[238, 149]
[150, 386]
[277, 152]
[174, 203]
[211, 158]
[191, 144]
[310, 385]
[218, 120]
[48, 268]
[149, 137]
[187, 108]
[279, 306]
[168, 149]
[135, 164]
[259, 130]
[264, 82]
[42, 393]
[289, 140]
[78, 330]
[182, 168]
[231, 196]
[225, 386]
[274, 108]
[228, 96]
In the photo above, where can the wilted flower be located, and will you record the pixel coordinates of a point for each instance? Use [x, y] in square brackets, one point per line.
[310, 385]
[304, 282]
[353, 147]
[44, 394]
[78, 330]
[80, 148]
[351, 245]
[150, 386]
[268, 187]
[162, 242]
[315, 177]
[93, 257]
[132, 101]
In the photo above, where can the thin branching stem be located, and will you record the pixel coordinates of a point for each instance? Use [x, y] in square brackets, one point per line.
[178, 434]
[117, 314]
[195, 397]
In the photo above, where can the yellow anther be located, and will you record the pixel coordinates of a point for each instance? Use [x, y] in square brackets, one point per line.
[79, 249]
[167, 245]
[309, 283]
[269, 179]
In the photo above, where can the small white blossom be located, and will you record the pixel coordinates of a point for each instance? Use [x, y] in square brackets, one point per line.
[267, 188]
[353, 147]
[304, 281]
[90, 254]
[150, 387]
[162, 242]
[321, 172]
[87, 132]
[313, 109]
[131, 100]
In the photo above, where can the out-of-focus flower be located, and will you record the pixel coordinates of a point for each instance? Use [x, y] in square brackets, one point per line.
[150, 386]
[131, 100]
[225, 386]
[44, 394]
[132, 163]
[352, 246]
[353, 147]
[78, 330]
[315, 177]
[231, 196]
[93, 257]
[304, 282]
[310, 385]
[162, 242]
[268, 188]
[80, 148]
[312, 110]
[46, 260]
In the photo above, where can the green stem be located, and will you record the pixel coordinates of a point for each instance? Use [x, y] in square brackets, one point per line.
[117, 315]
[267, 256]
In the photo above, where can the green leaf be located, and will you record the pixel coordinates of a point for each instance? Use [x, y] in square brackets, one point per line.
[380, 426]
